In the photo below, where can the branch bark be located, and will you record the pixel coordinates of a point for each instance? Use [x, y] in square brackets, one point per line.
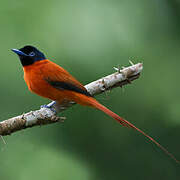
[45, 116]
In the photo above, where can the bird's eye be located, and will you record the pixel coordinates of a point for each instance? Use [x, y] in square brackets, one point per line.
[32, 54]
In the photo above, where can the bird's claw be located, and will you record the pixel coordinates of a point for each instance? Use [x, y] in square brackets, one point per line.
[49, 107]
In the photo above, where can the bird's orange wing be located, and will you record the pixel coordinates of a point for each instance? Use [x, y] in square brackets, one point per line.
[60, 79]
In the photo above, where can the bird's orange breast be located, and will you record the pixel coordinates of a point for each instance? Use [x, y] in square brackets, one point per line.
[35, 75]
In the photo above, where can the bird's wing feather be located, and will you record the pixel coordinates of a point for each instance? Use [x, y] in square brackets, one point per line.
[60, 79]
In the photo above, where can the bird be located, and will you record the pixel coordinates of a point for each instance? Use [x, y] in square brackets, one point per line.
[49, 80]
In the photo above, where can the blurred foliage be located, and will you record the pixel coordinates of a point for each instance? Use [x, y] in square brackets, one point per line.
[82, 36]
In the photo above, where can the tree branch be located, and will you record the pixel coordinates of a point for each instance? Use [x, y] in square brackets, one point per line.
[45, 116]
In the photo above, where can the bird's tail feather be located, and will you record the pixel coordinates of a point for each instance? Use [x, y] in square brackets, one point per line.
[126, 123]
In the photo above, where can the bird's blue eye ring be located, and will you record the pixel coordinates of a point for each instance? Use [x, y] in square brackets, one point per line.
[32, 54]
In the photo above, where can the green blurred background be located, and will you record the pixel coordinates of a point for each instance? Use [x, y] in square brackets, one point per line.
[88, 38]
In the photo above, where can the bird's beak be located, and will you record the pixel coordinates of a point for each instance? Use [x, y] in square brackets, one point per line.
[18, 52]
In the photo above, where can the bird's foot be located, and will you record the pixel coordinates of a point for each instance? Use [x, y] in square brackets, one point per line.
[50, 106]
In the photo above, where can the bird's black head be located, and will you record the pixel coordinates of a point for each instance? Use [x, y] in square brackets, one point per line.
[29, 55]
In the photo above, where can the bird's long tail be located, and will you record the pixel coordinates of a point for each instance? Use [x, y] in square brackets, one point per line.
[126, 123]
